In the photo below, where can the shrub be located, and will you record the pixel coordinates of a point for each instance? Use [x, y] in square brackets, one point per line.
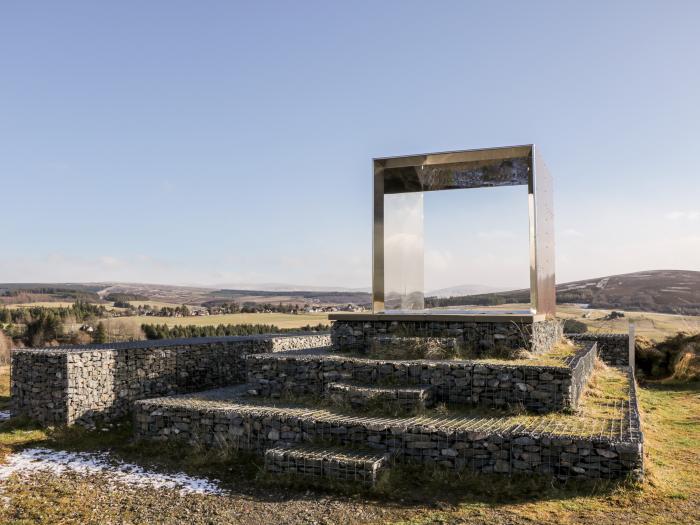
[100, 335]
[572, 326]
[5, 346]
[677, 357]
[43, 329]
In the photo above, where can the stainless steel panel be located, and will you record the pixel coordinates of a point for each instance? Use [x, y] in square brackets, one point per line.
[378, 241]
[544, 268]
[403, 252]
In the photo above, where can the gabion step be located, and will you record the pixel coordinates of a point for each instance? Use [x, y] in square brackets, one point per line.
[403, 398]
[325, 462]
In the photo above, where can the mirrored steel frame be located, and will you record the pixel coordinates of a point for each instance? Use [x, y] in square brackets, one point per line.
[507, 166]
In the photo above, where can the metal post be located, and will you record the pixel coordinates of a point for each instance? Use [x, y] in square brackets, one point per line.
[631, 346]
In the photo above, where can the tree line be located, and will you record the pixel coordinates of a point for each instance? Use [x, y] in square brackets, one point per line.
[162, 331]
[39, 325]
[80, 311]
[249, 307]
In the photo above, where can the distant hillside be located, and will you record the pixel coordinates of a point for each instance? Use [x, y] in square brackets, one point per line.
[161, 293]
[12, 293]
[213, 296]
[465, 289]
[669, 291]
[294, 296]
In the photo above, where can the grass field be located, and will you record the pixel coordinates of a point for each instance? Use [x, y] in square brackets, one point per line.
[44, 304]
[654, 326]
[670, 493]
[651, 325]
[278, 319]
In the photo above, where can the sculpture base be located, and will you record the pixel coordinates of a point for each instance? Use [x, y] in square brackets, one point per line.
[484, 334]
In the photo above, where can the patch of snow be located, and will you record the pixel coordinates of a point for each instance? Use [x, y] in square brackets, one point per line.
[60, 461]
[4, 415]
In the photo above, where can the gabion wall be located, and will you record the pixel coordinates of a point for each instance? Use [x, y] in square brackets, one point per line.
[62, 386]
[613, 349]
[480, 445]
[536, 388]
[482, 339]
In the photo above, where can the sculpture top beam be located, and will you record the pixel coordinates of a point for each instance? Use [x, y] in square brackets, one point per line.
[456, 170]
[507, 166]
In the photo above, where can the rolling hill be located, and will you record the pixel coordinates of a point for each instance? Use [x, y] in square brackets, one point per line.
[665, 291]
[668, 291]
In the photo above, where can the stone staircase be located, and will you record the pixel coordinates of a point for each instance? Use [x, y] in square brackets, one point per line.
[338, 417]
[401, 399]
[325, 462]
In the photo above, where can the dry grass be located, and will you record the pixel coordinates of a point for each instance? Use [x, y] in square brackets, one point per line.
[43, 304]
[654, 326]
[563, 350]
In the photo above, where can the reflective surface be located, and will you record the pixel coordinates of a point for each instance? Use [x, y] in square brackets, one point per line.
[542, 285]
[398, 244]
[455, 311]
[477, 174]
[403, 251]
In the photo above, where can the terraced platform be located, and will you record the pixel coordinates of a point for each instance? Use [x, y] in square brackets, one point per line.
[551, 382]
[602, 440]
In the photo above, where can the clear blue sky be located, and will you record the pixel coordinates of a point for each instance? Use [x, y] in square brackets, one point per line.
[228, 142]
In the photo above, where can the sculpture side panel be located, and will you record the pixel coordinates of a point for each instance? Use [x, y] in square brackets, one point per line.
[378, 241]
[542, 203]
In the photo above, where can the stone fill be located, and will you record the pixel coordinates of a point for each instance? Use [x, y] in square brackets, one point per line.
[604, 440]
[393, 399]
[612, 348]
[325, 462]
[537, 388]
[476, 338]
[79, 384]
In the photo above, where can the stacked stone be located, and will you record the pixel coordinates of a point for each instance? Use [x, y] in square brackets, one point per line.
[63, 386]
[391, 399]
[481, 445]
[335, 463]
[582, 365]
[613, 349]
[536, 388]
[482, 339]
[39, 386]
[418, 347]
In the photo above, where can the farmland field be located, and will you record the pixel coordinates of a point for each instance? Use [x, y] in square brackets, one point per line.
[42, 304]
[651, 325]
[278, 319]
[655, 326]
